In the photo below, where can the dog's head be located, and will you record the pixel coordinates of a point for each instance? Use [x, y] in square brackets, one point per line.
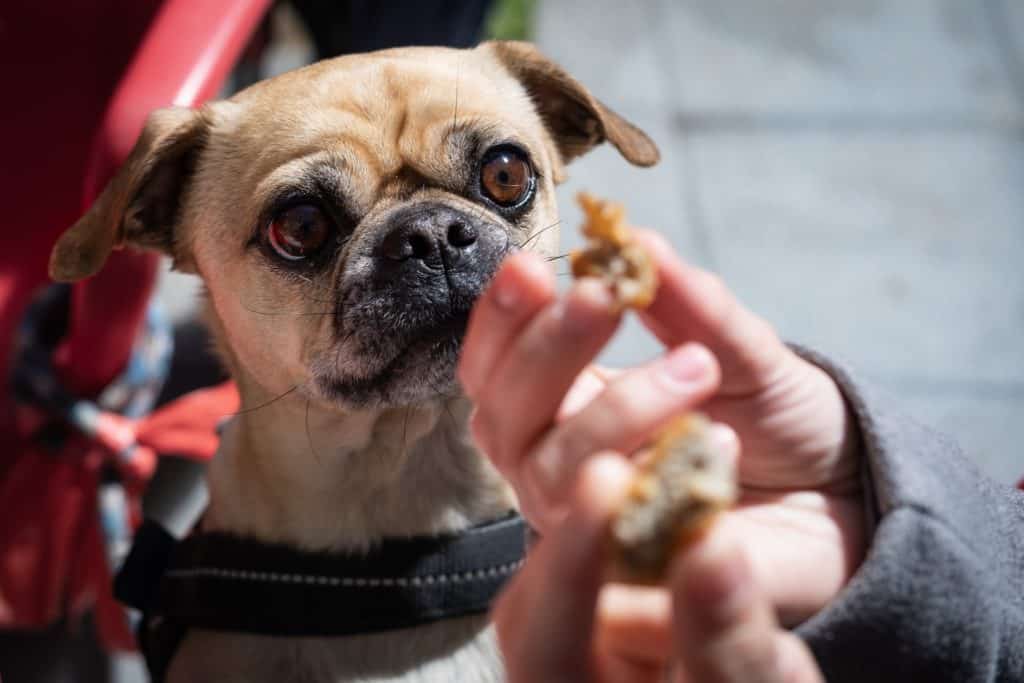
[346, 216]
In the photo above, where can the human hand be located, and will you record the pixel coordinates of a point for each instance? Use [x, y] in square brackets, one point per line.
[541, 411]
[553, 619]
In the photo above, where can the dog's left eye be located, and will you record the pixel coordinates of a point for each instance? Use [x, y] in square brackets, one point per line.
[506, 177]
[298, 232]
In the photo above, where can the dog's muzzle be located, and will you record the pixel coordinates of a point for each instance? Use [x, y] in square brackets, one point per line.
[439, 255]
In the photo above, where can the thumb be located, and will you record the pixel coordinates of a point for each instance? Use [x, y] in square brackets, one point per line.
[545, 616]
[724, 626]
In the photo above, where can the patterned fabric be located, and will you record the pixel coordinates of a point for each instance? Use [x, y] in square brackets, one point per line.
[70, 502]
[112, 419]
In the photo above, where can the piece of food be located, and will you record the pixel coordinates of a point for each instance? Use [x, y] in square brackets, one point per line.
[612, 255]
[681, 483]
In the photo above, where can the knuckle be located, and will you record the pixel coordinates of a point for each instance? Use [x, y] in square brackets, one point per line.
[619, 402]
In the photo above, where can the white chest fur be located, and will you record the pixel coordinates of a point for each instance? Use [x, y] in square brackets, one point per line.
[452, 650]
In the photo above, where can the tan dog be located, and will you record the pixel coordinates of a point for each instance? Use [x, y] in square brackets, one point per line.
[344, 217]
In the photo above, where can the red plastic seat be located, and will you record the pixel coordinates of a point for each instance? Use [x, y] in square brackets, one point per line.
[79, 78]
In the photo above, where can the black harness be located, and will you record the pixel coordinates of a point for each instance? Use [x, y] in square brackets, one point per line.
[225, 582]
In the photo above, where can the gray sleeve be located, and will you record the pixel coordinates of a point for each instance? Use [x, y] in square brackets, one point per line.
[940, 595]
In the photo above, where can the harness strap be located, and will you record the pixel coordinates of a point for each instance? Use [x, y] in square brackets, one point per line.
[221, 581]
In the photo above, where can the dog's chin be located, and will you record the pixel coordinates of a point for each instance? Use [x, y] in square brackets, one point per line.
[410, 369]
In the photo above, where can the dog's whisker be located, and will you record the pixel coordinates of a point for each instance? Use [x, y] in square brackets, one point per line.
[535, 236]
[263, 405]
[557, 257]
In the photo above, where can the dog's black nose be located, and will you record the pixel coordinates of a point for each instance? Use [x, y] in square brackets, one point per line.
[431, 256]
[461, 234]
[429, 235]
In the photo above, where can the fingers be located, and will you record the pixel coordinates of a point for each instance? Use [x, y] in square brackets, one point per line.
[803, 546]
[522, 286]
[634, 623]
[724, 627]
[585, 389]
[545, 617]
[694, 305]
[621, 418]
[522, 394]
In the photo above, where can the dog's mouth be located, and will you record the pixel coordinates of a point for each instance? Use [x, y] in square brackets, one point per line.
[409, 364]
[449, 329]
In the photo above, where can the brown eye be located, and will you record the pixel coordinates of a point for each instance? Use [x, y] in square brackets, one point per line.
[298, 232]
[506, 177]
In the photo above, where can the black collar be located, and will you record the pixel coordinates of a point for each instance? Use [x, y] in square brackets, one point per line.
[225, 582]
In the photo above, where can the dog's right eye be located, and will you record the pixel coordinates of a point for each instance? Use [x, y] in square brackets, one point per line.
[506, 177]
[298, 232]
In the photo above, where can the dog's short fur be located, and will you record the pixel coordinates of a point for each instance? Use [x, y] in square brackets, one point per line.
[353, 428]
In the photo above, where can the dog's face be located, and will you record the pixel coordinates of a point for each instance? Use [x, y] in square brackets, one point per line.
[346, 216]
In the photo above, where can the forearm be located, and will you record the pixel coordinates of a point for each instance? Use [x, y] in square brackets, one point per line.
[940, 595]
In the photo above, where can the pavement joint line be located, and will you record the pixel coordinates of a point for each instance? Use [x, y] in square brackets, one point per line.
[739, 122]
[966, 388]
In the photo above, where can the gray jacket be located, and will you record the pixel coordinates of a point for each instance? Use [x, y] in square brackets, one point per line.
[940, 595]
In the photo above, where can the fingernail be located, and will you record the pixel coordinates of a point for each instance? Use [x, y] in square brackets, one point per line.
[718, 579]
[584, 390]
[588, 303]
[686, 365]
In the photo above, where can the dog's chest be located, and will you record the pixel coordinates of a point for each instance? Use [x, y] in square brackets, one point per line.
[453, 650]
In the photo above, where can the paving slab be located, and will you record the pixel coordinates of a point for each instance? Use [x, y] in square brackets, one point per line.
[899, 252]
[852, 169]
[607, 46]
[988, 428]
[931, 59]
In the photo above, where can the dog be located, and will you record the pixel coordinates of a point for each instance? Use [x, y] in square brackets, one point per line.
[343, 218]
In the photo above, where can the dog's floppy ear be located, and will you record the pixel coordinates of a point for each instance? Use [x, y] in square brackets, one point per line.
[140, 204]
[576, 119]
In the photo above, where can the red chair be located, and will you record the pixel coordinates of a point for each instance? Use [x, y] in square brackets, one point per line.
[80, 78]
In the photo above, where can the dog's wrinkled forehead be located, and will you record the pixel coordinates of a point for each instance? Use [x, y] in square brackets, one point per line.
[398, 118]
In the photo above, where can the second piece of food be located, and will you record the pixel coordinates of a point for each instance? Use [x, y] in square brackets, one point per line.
[681, 483]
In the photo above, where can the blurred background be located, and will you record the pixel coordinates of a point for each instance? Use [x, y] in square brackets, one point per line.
[854, 169]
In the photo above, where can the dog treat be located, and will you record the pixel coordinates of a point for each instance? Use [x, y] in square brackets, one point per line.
[682, 482]
[612, 255]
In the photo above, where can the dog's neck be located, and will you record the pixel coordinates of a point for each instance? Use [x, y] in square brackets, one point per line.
[292, 473]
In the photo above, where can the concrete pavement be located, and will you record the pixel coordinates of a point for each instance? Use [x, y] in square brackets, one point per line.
[854, 170]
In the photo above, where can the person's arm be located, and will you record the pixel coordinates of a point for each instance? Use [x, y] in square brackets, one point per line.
[940, 594]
